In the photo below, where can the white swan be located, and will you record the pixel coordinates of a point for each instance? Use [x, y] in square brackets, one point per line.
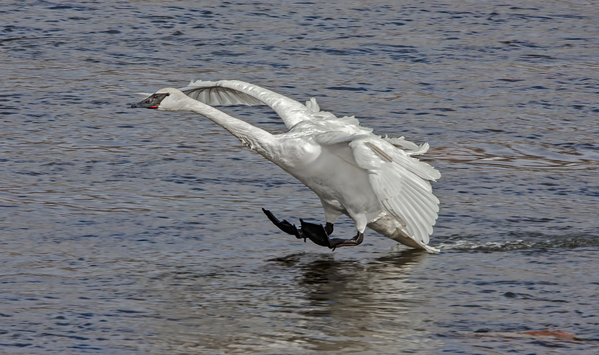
[374, 180]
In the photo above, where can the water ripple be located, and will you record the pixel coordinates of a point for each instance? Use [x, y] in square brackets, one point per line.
[142, 231]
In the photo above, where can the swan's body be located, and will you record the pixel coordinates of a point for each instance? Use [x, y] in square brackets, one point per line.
[372, 179]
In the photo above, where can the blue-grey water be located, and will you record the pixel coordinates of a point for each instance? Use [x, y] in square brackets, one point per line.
[141, 232]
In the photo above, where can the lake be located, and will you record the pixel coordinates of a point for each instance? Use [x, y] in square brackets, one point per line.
[136, 231]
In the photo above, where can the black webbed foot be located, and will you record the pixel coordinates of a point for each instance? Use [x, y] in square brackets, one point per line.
[284, 225]
[315, 232]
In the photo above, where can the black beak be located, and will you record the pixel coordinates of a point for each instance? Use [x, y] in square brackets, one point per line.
[152, 101]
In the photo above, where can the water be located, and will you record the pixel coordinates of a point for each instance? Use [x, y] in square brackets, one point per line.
[134, 231]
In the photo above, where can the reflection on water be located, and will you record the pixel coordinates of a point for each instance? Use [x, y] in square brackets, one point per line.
[141, 231]
[359, 302]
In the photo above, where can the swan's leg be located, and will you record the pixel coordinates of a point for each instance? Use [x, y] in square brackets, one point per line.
[330, 214]
[329, 228]
[320, 235]
[337, 242]
[361, 222]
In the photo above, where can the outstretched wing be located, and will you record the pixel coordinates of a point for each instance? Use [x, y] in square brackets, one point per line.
[235, 92]
[401, 184]
[213, 94]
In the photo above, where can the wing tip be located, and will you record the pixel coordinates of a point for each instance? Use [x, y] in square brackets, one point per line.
[312, 105]
[430, 249]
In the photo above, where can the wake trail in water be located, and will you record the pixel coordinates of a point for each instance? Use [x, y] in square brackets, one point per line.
[530, 242]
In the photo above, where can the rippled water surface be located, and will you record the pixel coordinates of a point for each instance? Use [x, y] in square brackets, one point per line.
[135, 231]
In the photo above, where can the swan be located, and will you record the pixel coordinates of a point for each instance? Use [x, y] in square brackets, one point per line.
[374, 180]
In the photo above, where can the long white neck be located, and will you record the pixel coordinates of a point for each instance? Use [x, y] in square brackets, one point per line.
[251, 136]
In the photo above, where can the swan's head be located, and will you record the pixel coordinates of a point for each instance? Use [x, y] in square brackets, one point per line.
[167, 99]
